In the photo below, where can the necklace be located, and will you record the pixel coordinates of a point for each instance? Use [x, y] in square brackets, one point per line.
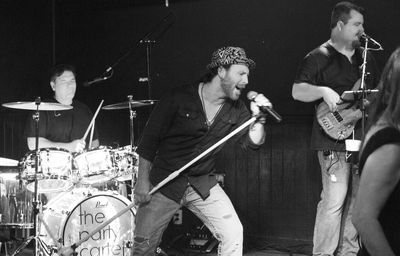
[209, 122]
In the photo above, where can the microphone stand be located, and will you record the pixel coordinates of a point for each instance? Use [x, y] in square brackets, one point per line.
[145, 39]
[148, 66]
[362, 86]
[363, 91]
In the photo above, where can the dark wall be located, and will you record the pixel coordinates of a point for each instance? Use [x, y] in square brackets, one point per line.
[274, 189]
[25, 56]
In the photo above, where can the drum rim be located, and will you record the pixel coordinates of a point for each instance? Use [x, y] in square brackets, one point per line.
[47, 149]
[102, 147]
[121, 198]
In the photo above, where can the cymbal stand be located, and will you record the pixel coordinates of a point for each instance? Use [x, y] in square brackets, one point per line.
[36, 205]
[132, 115]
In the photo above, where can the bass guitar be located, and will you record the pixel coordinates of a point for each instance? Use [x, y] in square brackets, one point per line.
[339, 124]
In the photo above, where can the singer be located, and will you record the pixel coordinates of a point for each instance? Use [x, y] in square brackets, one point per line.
[187, 121]
[324, 74]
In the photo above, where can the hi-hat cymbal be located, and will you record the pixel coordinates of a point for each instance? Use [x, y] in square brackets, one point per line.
[134, 104]
[8, 162]
[43, 106]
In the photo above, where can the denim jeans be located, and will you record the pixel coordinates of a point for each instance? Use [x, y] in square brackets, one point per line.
[216, 211]
[333, 230]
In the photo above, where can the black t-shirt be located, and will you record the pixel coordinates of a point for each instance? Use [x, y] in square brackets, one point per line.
[62, 126]
[177, 132]
[325, 66]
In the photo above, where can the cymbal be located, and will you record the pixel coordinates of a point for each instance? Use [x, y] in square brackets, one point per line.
[8, 162]
[43, 106]
[134, 104]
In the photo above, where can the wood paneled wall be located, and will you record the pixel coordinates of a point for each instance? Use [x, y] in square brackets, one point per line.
[275, 189]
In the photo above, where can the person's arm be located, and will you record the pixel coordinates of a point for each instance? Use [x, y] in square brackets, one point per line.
[73, 146]
[307, 93]
[142, 187]
[257, 131]
[380, 175]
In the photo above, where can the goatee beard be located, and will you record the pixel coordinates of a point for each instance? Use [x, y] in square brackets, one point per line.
[356, 44]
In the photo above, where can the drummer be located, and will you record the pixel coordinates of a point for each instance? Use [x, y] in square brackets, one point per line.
[62, 129]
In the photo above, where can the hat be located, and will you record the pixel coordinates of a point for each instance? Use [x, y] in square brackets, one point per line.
[228, 56]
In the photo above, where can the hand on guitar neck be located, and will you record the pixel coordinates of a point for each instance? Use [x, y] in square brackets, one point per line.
[338, 121]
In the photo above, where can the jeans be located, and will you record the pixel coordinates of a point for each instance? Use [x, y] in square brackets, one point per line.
[333, 230]
[216, 211]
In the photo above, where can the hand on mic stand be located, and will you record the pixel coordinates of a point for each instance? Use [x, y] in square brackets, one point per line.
[265, 107]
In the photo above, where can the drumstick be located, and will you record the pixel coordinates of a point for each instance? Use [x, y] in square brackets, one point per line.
[91, 122]
[170, 177]
[91, 136]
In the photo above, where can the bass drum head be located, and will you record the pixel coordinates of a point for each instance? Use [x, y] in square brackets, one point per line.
[113, 239]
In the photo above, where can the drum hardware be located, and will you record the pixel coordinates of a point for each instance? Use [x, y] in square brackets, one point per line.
[129, 104]
[38, 106]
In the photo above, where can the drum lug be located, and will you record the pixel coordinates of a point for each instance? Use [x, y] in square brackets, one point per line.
[128, 244]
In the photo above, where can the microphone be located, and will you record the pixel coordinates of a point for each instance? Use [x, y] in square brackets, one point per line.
[96, 80]
[251, 95]
[367, 37]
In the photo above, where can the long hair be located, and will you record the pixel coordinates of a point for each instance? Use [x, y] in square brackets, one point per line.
[387, 102]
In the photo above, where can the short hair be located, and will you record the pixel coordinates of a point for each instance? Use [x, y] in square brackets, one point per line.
[59, 69]
[341, 12]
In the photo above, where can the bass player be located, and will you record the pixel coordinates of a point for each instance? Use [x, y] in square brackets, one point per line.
[324, 74]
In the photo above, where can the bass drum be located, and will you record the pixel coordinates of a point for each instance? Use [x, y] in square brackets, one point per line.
[70, 224]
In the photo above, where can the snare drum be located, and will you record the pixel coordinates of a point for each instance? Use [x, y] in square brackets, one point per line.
[71, 221]
[54, 171]
[15, 201]
[95, 166]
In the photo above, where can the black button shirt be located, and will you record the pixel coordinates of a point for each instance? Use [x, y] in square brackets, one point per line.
[177, 132]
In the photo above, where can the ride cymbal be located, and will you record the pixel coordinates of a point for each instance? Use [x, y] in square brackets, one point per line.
[43, 106]
[125, 104]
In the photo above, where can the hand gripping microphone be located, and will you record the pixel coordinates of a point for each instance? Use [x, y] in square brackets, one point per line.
[251, 95]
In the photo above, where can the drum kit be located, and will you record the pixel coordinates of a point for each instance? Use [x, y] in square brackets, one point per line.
[67, 199]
